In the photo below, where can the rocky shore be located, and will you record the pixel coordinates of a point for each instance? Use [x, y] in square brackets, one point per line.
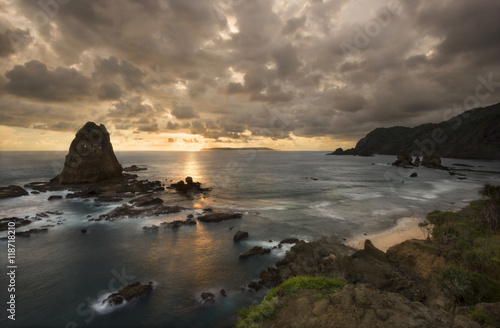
[399, 287]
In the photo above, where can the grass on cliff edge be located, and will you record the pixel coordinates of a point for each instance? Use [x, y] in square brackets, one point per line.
[470, 240]
[253, 316]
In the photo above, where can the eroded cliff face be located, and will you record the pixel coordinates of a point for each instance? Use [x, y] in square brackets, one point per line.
[91, 157]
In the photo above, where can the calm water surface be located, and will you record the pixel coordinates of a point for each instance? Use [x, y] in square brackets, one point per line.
[63, 276]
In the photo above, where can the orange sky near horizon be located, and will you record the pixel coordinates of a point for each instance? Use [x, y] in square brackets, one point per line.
[23, 139]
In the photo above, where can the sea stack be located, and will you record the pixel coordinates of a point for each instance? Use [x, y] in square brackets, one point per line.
[90, 158]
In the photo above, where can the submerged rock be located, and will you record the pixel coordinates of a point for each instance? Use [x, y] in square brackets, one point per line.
[255, 251]
[128, 293]
[134, 168]
[217, 217]
[91, 157]
[239, 235]
[12, 191]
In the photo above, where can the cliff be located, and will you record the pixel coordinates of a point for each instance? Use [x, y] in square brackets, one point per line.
[474, 134]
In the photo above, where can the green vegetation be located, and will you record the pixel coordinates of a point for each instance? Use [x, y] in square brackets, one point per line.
[470, 240]
[254, 315]
[480, 316]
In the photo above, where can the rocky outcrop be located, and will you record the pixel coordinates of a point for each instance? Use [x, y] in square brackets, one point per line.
[189, 187]
[432, 161]
[12, 191]
[255, 251]
[128, 293]
[474, 134]
[90, 159]
[403, 160]
[352, 152]
[240, 235]
[217, 217]
[134, 168]
[359, 306]
[340, 151]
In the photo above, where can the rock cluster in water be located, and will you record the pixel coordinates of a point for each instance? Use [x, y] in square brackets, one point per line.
[90, 158]
[188, 187]
[128, 293]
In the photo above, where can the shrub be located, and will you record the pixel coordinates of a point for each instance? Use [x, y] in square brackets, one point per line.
[455, 283]
[480, 316]
[254, 315]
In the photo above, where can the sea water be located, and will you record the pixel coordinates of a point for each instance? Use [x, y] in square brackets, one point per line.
[62, 276]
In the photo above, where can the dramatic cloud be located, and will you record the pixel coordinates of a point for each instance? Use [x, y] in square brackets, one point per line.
[258, 71]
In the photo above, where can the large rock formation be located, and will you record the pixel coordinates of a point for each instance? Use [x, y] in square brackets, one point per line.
[472, 134]
[90, 158]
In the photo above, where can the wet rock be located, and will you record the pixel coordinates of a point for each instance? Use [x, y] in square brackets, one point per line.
[128, 293]
[12, 191]
[146, 200]
[4, 223]
[416, 162]
[254, 285]
[217, 217]
[54, 197]
[414, 175]
[188, 187]
[289, 241]
[132, 212]
[153, 228]
[91, 157]
[403, 160]
[207, 297]
[178, 223]
[108, 199]
[239, 235]
[134, 168]
[190, 216]
[83, 231]
[255, 251]
[432, 161]
[223, 293]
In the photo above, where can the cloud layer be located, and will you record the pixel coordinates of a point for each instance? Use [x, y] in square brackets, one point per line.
[245, 71]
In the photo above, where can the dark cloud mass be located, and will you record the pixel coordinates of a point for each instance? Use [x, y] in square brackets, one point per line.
[246, 70]
[35, 80]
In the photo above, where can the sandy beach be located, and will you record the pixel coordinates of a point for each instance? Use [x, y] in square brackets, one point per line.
[406, 228]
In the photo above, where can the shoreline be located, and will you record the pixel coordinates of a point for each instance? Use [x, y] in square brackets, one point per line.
[406, 228]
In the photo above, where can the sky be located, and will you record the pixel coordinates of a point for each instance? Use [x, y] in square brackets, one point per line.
[284, 74]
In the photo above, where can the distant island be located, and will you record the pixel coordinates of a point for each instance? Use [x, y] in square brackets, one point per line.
[244, 148]
[473, 134]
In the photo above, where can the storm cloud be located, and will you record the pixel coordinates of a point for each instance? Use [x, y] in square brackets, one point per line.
[246, 70]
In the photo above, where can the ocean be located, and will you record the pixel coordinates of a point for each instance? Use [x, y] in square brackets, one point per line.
[62, 276]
